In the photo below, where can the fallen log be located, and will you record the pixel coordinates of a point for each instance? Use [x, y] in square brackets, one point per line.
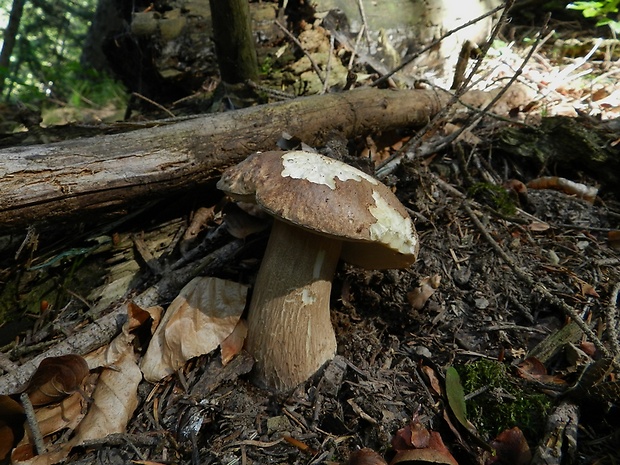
[52, 182]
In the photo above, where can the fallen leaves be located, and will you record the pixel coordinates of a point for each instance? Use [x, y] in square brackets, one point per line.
[68, 397]
[204, 314]
[588, 193]
[56, 378]
[511, 448]
[414, 443]
[113, 402]
[419, 296]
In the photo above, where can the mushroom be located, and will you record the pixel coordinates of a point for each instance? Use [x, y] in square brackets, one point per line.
[323, 210]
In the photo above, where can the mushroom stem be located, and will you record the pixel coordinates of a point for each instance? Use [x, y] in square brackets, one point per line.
[290, 333]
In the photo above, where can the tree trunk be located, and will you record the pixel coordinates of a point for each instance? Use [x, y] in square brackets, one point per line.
[10, 35]
[234, 43]
[87, 176]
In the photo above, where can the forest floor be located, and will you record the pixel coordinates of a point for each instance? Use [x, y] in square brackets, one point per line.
[516, 288]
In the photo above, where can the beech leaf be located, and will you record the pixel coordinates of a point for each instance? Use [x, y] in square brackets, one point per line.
[436, 452]
[199, 319]
[56, 378]
[113, 402]
[12, 419]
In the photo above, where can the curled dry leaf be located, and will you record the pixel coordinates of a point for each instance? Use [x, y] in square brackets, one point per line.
[420, 295]
[203, 315]
[588, 193]
[12, 419]
[56, 378]
[199, 222]
[113, 402]
[413, 436]
[108, 355]
[613, 237]
[233, 344]
[436, 452]
[511, 448]
[533, 369]
[433, 380]
[588, 289]
[366, 456]
[53, 418]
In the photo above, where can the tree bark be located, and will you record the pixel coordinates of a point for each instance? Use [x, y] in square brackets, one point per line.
[53, 182]
[10, 35]
[234, 43]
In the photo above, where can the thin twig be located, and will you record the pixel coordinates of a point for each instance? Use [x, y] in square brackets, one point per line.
[612, 320]
[154, 103]
[360, 6]
[316, 68]
[328, 66]
[31, 418]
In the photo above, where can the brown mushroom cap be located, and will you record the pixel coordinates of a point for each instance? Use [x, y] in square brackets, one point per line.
[330, 198]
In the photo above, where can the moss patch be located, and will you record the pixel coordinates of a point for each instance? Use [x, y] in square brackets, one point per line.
[504, 402]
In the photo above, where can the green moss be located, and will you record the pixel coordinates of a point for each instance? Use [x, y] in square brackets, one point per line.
[494, 196]
[504, 403]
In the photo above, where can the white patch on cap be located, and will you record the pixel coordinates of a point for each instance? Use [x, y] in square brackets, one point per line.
[391, 228]
[320, 170]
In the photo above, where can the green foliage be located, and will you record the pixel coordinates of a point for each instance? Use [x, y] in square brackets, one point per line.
[266, 67]
[600, 10]
[44, 67]
[504, 404]
[90, 88]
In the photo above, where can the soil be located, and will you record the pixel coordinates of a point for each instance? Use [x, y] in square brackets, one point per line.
[513, 270]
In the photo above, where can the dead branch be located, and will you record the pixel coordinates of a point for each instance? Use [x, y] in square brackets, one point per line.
[56, 181]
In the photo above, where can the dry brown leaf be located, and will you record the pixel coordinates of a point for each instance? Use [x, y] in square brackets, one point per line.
[436, 452]
[113, 402]
[108, 355]
[420, 295]
[11, 424]
[54, 454]
[199, 223]
[53, 418]
[533, 369]
[56, 378]
[413, 436]
[66, 414]
[588, 193]
[588, 289]
[432, 378]
[233, 344]
[366, 456]
[137, 316]
[203, 315]
[613, 237]
[511, 448]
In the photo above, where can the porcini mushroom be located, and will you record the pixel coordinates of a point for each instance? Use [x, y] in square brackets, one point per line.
[323, 210]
